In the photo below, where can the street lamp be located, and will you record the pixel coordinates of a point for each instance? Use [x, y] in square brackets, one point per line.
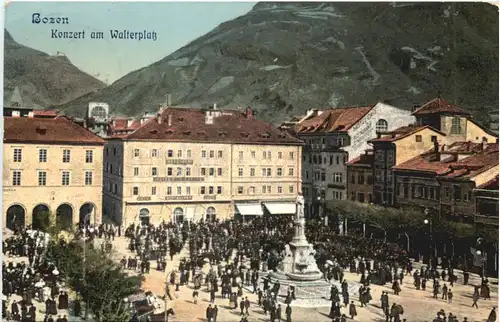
[429, 222]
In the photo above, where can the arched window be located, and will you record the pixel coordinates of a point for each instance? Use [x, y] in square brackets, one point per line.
[381, 126]
[144, 216]
[456, 125]
[211, 214]
[179, 215]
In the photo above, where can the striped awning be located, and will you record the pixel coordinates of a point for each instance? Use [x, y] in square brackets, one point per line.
[249, 209]
[281, 208]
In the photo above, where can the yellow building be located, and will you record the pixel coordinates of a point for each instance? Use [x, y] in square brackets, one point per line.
[50, 165]
[440, 124]
[191, 164]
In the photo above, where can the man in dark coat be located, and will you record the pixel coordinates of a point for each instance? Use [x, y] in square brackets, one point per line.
[288, 312]
[352, 310]
[209, 313]
[14, 308]
[215, 312]
[77, 308]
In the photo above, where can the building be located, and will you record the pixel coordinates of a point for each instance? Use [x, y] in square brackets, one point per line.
[50, 165]
[486, 196]
[360, 176]
[192, 164]
[332, 138]
[446, 180]
[438, 121]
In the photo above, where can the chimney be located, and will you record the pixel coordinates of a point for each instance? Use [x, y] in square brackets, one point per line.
[484, 144]
[215, 106]
[436, 146]
[168, 100]
[249, 112]
[16, 114]
[146, 113]
[169, 120]
[31, 114]
[158, 118]
[129, 122]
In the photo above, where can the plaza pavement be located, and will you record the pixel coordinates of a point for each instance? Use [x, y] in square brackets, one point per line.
[418, 305]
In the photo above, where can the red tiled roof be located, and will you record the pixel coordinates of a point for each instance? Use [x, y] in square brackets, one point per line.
[478, 162]
[364, 159]
[490, 185]
[50, 113]
[334, 120]
[47, 130]
[438, 105]
[188, 124]
[123, 125]
[403, 132]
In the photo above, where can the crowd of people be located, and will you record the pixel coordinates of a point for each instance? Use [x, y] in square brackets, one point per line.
[238, 252]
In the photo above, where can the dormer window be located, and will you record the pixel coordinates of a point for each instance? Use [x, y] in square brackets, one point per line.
[186, 132]
[169, 132]
[222, 133]
[201, 133]
[456, 125]
[266, 135]
[153, 131]
[245, 134]
[180, 119]
[41, 130]
[381, 126]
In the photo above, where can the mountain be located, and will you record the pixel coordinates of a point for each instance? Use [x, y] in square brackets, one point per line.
[36, 79]
[283, 58]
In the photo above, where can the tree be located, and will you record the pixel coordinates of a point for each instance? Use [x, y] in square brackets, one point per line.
[106, 284]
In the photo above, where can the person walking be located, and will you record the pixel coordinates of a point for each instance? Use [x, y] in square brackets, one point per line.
[288, 312]
[475, 298]
[493, 315]
[352, 310]
[450, 296]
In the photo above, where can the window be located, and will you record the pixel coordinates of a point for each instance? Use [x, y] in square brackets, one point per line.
[240, 172]
[219, 154]
[280, 189]
[370, 198]
[188, 172]
[361, 197]
[361, 178]
[154, 153]
[188, 191]
[264, 189]
[179, 190]
[264, 172]
[179, 153]
[154, 171]
[251, 190]
[290, 189]
[369, 179]
[456, 125]
[202, 190]
[219, 172]
[17, 155]
[136, 171]
[135, 191]
[337, 159]
[269, 189]
[434, 138]
[211, 171]
[169, 191]
[203, 171]
[65, 178]
[323, 176]
[136, 153]
[418, 138]
[279, 172]
[280, 155]
[252, 154]
[66, 156]
[240, 190]
[211, 190]
[212, 154]
[114, 151]
[269, 172]
[179, 172]
[240, 154]
[269, 155]
[219, 190]
[88, 178]
[188, 153]
[89, 156]
[331, 159]
[153, 191]
[42, 178]
[170, 153]
[290, 171]
[457, 193]
[337, 195]
[264, 154]
[169, 171]
[42, 155]
[307, 174]
[291, 155]
[353, 178]
[337, 177]
[252, 172]
[381, 126]
[16, 178]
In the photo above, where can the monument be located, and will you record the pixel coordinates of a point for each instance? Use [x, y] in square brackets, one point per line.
[299, 262]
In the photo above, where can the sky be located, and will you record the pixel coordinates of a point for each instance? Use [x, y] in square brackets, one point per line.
[175, 23]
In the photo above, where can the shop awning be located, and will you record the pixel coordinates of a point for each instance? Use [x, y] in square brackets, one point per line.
[249, 209]
[281, 208]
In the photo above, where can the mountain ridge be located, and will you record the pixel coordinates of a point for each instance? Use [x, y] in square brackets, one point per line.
[283, 58]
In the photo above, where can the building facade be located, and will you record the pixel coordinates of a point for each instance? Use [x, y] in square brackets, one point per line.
[189, 164]
[360, 176]
[445, 181]
[51, 166]
[486, 206]
[333, 138]
[436, 121]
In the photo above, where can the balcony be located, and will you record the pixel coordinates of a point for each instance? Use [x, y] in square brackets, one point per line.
[179, 161]
[179, 198]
